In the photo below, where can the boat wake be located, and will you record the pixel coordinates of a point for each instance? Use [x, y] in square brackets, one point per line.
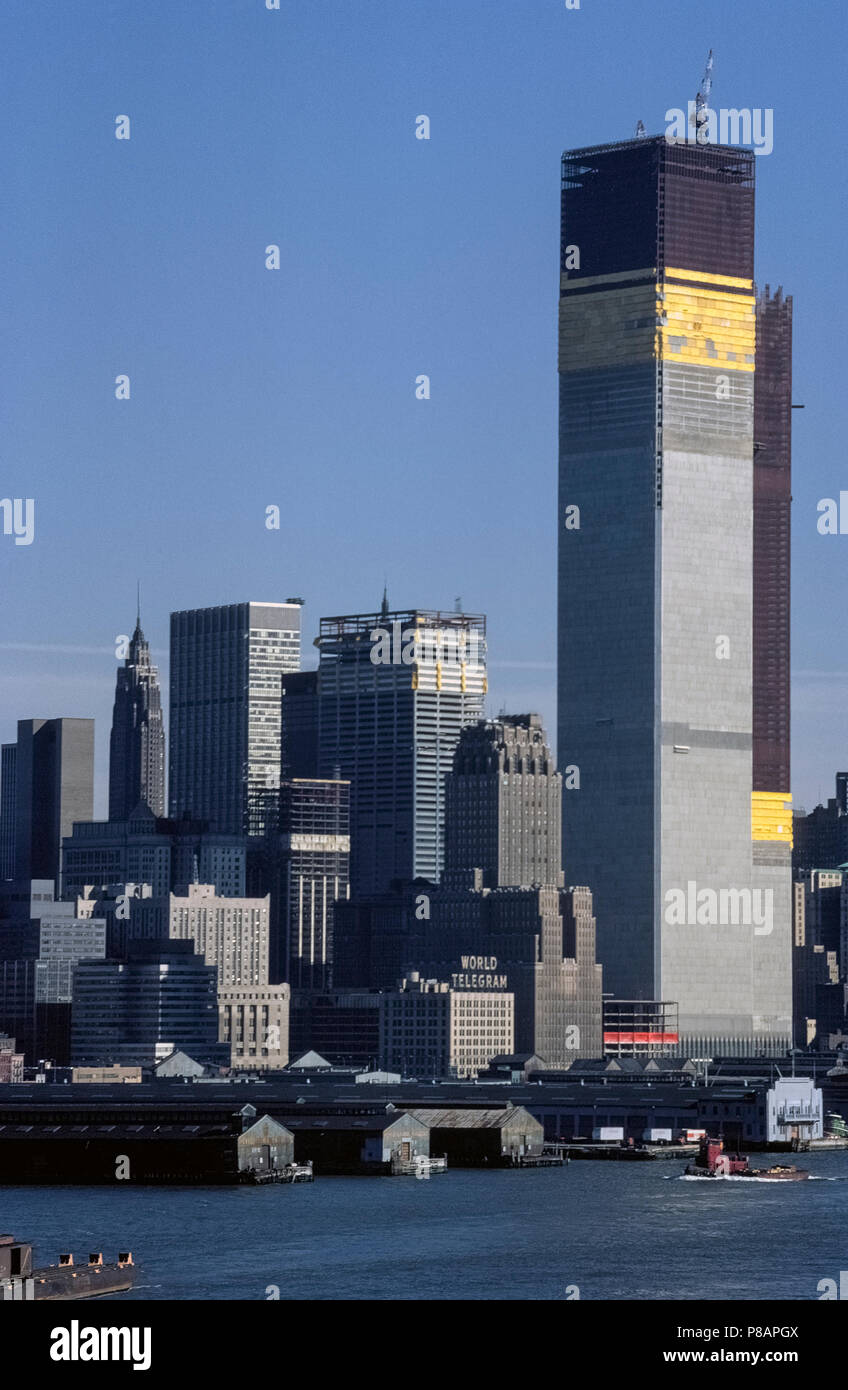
[748, 1181]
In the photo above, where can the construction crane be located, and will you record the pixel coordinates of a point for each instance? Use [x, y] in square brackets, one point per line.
[702, 100]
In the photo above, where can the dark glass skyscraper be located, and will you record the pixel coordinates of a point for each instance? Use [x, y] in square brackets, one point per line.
[54, 786]
[8, 799]
[673, 586]
[137, 743]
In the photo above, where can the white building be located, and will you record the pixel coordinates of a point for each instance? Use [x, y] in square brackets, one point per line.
[429, 1029]
[794, 1110]
[230, 933]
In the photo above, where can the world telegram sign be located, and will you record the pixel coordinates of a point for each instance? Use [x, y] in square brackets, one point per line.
[478, 972]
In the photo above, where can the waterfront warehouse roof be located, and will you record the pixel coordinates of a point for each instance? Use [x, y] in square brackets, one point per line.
[118, 1133]
[365, 1123]
[263, 1128]
[470, 1119]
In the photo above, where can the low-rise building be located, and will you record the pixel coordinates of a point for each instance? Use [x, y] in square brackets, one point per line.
[265, 1145]
[794, 1111]
[106, 1076]
[482, 1138]
[11, 1061]
[427, 1028]
[357, 1143]
[254, 1021]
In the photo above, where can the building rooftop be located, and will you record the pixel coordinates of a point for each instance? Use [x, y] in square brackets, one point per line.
[467, 1119]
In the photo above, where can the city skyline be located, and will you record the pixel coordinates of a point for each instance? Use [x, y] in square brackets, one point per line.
[423, 526]
[476, 209]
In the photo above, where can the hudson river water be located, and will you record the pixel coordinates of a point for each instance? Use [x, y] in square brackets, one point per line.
[616, 1230]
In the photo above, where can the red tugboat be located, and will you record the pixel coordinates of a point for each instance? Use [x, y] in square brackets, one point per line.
[713, 1162]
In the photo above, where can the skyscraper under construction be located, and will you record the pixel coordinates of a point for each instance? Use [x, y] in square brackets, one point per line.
[674, 586]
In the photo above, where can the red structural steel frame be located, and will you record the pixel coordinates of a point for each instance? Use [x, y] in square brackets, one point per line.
[772, 503]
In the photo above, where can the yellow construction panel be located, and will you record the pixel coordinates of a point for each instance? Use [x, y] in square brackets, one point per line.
[771, 817]
[708, 327]
[702, 276]
[627, 324]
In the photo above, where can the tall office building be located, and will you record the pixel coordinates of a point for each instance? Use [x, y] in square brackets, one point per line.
[65, 940]
[821, 838]
[8, 798]
[300, 725]
[312, 864]
[230, 933]
[503, 800]
[154, 850]
[137, 743]
[395, 690]
[54, 786]
[226, 670]
[41, 942]
[673, 587]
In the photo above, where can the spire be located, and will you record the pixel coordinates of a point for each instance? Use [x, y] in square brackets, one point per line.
[138, 632]
[384, 606]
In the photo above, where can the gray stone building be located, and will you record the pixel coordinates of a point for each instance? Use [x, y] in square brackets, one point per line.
[254, 1021]
[503, 802]
[227, 666]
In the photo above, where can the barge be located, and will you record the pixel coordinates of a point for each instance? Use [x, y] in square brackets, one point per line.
[20, 1280]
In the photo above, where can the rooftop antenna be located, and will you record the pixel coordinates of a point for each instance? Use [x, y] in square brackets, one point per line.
[702, 100]
[457, 605]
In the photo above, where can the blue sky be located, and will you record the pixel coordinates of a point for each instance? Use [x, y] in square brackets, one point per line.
[296, 388]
